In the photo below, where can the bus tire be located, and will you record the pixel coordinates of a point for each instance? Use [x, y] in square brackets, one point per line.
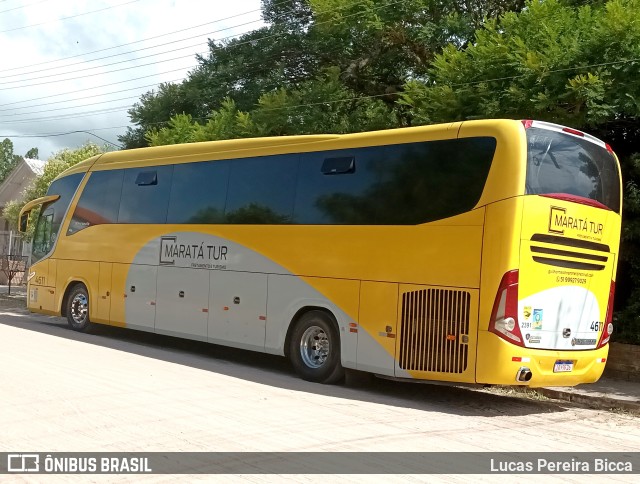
[315, 348]
[78, 309]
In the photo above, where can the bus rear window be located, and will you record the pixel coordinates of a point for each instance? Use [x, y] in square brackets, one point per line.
[564, 164]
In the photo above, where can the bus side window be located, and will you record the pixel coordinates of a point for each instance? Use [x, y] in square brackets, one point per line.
[42, 239]
[261, 190]
[198, 192]
[334, 188]
[99, 201]
[145, 195]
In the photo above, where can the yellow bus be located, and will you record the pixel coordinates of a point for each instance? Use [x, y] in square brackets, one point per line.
[478, 251]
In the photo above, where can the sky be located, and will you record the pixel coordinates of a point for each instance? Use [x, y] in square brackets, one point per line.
[79, 65]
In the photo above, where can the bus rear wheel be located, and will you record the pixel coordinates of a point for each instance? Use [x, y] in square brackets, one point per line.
[78, 309]
[315, 348]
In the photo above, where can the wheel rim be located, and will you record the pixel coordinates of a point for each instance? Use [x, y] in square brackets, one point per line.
[79, 309]
[314, 347]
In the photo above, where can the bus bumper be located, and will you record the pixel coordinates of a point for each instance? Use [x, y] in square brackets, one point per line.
[499, 363]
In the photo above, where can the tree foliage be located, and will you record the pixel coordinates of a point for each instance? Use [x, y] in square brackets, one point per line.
[32, 154]
[553, 62]
[317, 106]
[8, 160]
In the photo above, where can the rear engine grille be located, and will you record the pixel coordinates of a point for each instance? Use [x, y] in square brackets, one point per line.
[579, 258]
[434, 330]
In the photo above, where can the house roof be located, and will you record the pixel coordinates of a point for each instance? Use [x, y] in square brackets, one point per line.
[37, 166]
[14, 184]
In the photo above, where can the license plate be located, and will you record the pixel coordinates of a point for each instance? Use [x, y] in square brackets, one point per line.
[563, 366]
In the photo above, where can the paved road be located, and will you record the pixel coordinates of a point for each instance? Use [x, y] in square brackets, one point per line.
[122, 390]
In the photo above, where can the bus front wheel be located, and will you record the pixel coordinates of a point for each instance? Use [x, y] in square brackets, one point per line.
[78, 309]
[315, 348]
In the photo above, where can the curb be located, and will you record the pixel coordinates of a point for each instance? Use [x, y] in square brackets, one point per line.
[593, 401]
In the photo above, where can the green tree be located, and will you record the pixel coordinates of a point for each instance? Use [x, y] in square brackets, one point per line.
[225, 123]
[318, 106]
[8, 160]
[154, 110]
[554, 62]
[32, 153]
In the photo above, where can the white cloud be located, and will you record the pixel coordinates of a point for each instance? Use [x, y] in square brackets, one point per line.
[46, 58]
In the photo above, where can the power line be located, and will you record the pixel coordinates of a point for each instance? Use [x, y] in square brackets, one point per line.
[84, 97]
[124, 61]
[176, 58]
[52, 135]
[97, 87]
[69, 116]
[83, 131]
[23, 6]
[116, 55]
[39, 71]
[70, 107]
[99, 74]
[115, 70]
[40, 64]
[67, 18]
[128, 80]
[151, 55]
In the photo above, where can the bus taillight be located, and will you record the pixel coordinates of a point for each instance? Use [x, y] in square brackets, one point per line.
[607, 331]
[504, 317]
[573, 131]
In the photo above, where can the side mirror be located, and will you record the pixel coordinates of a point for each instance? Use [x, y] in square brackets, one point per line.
[24, 222]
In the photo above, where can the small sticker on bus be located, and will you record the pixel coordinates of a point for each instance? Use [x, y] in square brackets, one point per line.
[533, 339]
[537, 319]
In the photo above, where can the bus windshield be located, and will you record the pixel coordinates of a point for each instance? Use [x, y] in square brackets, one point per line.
[52, 215]
[560, 163]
